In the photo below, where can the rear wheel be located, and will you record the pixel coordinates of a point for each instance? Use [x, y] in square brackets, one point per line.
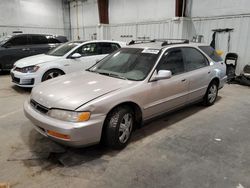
[50, 74]
[119, 126]
[211, 94]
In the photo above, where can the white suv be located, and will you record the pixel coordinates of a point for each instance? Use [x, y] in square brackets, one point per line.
[67, 58]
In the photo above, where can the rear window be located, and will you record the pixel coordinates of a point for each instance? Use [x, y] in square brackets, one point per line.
[38, 39]
[53, 40]
[211, 53]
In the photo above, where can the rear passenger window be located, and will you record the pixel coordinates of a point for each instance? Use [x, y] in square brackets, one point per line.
[53, 41]
[173, 61]
[39, 39]
[194, 59]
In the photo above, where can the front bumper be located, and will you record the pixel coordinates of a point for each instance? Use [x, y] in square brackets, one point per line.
[81, 134]
[24, 79]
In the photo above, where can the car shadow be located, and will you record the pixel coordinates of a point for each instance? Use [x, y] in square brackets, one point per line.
[21, 90]
[2, 73]
[46, 151]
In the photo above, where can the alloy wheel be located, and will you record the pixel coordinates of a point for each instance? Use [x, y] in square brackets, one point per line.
[212, 93]
[125, 128]
[53, 75]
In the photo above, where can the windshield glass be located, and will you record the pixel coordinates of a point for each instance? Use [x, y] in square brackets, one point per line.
[128, 63]
[3, 40]
[62, 49]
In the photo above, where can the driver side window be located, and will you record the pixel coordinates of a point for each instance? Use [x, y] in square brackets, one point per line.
[172, 60]
[18, 41]
[88, 50]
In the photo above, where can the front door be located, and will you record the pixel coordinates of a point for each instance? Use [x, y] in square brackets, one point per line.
[16, 48]
[165, 95]
[90, 56]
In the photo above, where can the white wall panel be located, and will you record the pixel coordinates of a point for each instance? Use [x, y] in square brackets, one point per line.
[127, 11]
[86, 13]
[203, 8]
[148, 30]
[31, 16]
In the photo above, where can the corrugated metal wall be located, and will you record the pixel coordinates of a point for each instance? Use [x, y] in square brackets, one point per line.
[126, 32]
[239, 38]
[123, 28]
[168, 28]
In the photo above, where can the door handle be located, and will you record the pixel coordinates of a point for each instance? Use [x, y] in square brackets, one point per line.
[66, 64]
[184, 80]
[209, 72]
[25, 49]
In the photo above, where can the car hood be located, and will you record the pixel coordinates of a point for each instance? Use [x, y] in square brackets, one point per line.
[35, 60]
[73, 90]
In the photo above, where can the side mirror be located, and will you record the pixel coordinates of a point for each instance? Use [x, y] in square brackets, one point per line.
[75, 55]
[161, 75]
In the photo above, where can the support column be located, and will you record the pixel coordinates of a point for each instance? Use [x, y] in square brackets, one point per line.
[103, 8]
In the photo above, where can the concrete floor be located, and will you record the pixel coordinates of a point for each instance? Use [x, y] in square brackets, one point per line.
[192, 148]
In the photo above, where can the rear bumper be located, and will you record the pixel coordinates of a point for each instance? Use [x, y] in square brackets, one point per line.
[222, 82]
[81, 134]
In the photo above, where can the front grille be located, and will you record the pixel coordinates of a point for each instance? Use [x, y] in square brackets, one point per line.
[38, 107]
[29, 81]
[15, 79]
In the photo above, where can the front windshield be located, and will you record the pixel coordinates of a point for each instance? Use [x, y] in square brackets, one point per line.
[62, 49]
[128, 63]
[3, 40]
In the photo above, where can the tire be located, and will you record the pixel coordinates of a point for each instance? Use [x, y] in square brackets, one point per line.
[118, 127]
[211, 94]
[50, 74]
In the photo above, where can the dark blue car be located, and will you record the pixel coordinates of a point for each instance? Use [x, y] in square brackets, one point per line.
[13, 48]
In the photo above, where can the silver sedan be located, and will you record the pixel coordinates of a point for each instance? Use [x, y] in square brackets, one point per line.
[134, 84]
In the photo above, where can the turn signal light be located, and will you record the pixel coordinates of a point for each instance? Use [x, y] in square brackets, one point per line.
[83, 116]
[58, 135]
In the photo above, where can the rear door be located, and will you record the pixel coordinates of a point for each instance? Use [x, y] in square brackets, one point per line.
[38, 44]
[198, 72]
[167, 94]
[16, 48]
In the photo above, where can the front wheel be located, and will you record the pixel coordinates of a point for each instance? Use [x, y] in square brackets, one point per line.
[50, 74]
[211, 94]
[119, 126]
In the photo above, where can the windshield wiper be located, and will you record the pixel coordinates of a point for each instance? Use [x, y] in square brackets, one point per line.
[112, 75]
[118, 76]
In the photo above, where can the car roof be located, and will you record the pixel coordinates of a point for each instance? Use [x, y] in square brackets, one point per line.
[80, 42]
[34, 34]
[162, 44]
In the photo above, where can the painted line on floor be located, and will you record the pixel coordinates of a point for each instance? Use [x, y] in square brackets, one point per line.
[10, 113]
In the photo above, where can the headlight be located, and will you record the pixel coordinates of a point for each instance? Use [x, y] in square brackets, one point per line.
[70, 116]
[29, 69]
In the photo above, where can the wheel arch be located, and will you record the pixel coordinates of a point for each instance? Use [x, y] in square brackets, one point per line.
[134, 106]
[49, 69]
[216, 80]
